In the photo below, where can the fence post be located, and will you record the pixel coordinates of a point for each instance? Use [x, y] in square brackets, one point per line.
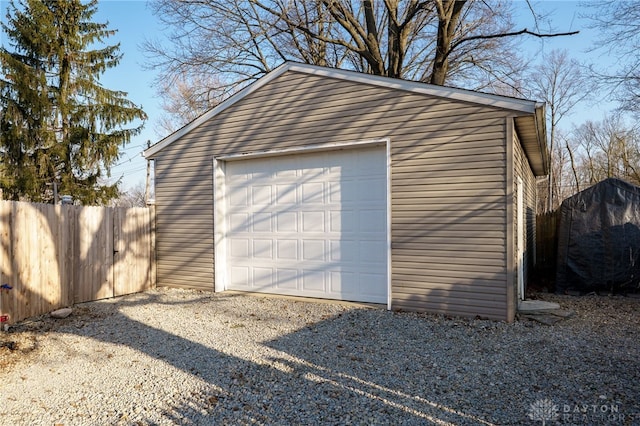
[152, 229]
[7, 295]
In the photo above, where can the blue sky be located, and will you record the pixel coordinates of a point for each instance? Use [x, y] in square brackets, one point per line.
[135, 23]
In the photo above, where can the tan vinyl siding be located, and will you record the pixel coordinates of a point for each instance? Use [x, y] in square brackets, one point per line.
[184, 223]
[448, 221]
[448, 188]
[523, 170]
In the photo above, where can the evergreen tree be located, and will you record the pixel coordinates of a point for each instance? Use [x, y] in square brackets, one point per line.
[57, 122]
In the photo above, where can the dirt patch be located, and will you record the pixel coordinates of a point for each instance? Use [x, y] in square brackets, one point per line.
[16, 346]
[20, 342]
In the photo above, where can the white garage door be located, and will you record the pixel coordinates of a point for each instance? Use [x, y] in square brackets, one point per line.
[310, 225]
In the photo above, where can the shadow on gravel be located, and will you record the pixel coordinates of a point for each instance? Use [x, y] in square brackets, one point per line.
[114, 327]
[368, 366]
[327, 374]
[466, 372]
[353, 360]
[333, 371]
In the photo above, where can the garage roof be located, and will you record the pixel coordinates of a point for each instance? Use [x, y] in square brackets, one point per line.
[529, 115]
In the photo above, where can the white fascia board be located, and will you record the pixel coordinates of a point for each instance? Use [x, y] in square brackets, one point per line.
[521, 105]
[216, 110]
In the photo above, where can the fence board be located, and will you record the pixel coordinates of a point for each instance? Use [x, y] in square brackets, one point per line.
[53, 256]
[6, 265]
[132, 262]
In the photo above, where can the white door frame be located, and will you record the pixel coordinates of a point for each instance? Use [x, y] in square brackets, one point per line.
[220, 212]
[520, 237]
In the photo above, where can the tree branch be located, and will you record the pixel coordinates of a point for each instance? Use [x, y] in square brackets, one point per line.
[509, 34]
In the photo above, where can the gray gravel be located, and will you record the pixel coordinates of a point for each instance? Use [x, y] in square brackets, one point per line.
[185, 357]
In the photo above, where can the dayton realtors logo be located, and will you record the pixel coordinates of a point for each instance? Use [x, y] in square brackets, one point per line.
[544, 410]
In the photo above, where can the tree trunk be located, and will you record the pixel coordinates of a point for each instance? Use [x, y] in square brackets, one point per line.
[449, 12]
[372, 42]
[394, 48]
[551, 146]
[573, 167]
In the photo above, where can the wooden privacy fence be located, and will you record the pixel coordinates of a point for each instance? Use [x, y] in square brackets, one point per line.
[55, 256]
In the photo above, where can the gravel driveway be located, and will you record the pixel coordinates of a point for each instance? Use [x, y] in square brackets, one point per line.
[185, 357]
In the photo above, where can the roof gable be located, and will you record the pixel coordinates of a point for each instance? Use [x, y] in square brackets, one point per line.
[528, 111]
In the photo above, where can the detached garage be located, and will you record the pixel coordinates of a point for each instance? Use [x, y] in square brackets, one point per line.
[333, 184]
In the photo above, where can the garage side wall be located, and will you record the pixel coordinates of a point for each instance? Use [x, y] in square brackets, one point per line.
[448, 188]
[523, 170]
[449, 217]
[184, 220]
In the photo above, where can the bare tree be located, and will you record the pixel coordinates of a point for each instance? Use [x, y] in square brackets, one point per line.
[185, 99]
[467, 42]
[608, 148]
[561, 82]
[574, 168]
[618, 23]
[132, 197]
[563, 170]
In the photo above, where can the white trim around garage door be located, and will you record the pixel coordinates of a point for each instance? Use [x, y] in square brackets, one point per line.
[219, 195]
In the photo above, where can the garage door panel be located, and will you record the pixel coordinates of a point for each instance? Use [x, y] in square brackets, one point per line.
[313, 221]
[262, 222]
[343, 250]
[239, 222]
[372, 220]
[372, 252]
[287, 279]
[239, 248]
[344, 283]
[287, 250]
[239, 277]
[313, 193]
[262, 278]
[287, 222]
[341, 220]
[313, 281]
[375, 283]
[262, 249]
[334, 189]
[373, 195]
[309, 225]
[239, 197]
[261, 195]
[313, 250]
[286, 194]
